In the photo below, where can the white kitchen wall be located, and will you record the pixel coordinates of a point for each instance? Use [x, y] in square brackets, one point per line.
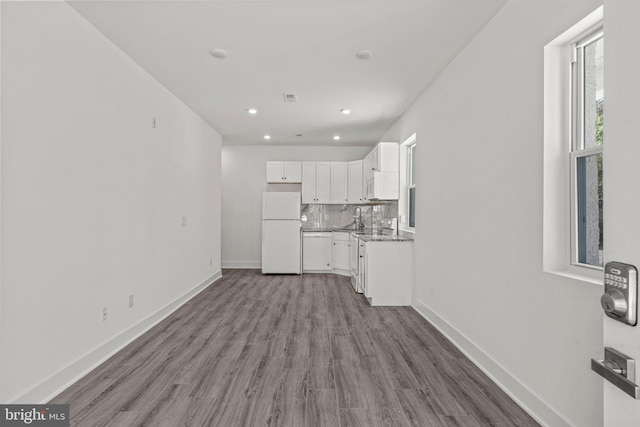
[93, 199]
[244, 181]
[478, 246]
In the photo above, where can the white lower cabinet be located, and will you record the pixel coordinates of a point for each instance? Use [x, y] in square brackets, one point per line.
[317, 251]
[353, 261]
[341, 253]
[382, 271]
[362, 266]
[386, 272]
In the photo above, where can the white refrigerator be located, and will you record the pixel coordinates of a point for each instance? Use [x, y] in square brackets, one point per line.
[281, 246]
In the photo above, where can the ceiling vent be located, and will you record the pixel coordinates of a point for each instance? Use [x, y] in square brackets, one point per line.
[289, 97]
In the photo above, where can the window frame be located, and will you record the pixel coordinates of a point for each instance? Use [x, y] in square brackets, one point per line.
[577, 148]
[558, 170]
[411, 184]
[407, 181]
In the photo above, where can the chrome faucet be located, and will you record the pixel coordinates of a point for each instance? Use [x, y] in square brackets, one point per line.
[357, 216]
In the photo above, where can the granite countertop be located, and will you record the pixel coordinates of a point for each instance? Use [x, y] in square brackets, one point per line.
[383, 238]
[330, 229]
[365, 234]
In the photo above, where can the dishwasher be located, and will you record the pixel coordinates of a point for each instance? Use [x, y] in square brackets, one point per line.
[316, 252]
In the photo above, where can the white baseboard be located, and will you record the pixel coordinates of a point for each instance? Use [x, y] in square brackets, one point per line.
[59, 381]
[242, 264]
[341, 272]
[542, 412]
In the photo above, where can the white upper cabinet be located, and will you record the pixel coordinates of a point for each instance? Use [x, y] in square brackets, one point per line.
[388, 157]
[381, 172]
[293, 172]
[316, 182]
[309, 182]
[339, 182]
[354, 182]
[323, 182]
[374, 178]
[284, 172]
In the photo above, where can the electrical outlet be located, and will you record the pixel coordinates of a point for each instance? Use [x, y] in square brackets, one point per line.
[131, 301]
[104, 314]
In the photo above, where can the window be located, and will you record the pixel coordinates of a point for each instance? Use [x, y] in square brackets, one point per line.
[411, 184]
[573, 151]
[407, 200]
[586, 150]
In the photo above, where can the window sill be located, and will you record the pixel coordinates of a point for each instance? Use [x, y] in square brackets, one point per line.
[588, 277]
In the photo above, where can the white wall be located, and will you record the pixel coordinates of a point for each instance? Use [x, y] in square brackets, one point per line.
[478, 245]
[244, 181]
[621, 189]
[92, 199]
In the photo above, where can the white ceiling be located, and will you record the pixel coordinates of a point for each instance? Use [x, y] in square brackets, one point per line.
[305, 47]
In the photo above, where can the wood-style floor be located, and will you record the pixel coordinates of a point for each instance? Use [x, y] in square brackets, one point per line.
[255, 350]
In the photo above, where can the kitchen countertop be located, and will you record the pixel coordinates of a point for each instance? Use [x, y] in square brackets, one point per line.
[383, 238]
[365, 234]
[341, 230]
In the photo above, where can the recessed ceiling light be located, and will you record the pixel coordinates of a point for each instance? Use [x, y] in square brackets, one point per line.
[346, 111]
[336, 137]
[218, 53]
[252, 111]
[267, 137]
[364, 54]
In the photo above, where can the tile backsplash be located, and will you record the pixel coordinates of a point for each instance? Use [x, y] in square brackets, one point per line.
[338, 216]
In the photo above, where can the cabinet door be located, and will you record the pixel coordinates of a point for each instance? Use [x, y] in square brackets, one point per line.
[375, 158]
[309, 182]
[275, 172]
[323, 182]
[354, 182]
[388, 157]
[362, 267]
[339, 182]
[353, 255]
[293, 172]
[367, 173]
[341, 255]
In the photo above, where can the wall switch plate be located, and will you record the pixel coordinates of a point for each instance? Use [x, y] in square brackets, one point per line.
[104, 314]
[184, 221]
[153, 122]
[131, 301]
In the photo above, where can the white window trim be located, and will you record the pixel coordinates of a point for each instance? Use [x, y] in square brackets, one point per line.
[573, 156]
[403, 202]
[557, 185]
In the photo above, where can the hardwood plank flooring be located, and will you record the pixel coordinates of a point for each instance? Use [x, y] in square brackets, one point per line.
[254, 350]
